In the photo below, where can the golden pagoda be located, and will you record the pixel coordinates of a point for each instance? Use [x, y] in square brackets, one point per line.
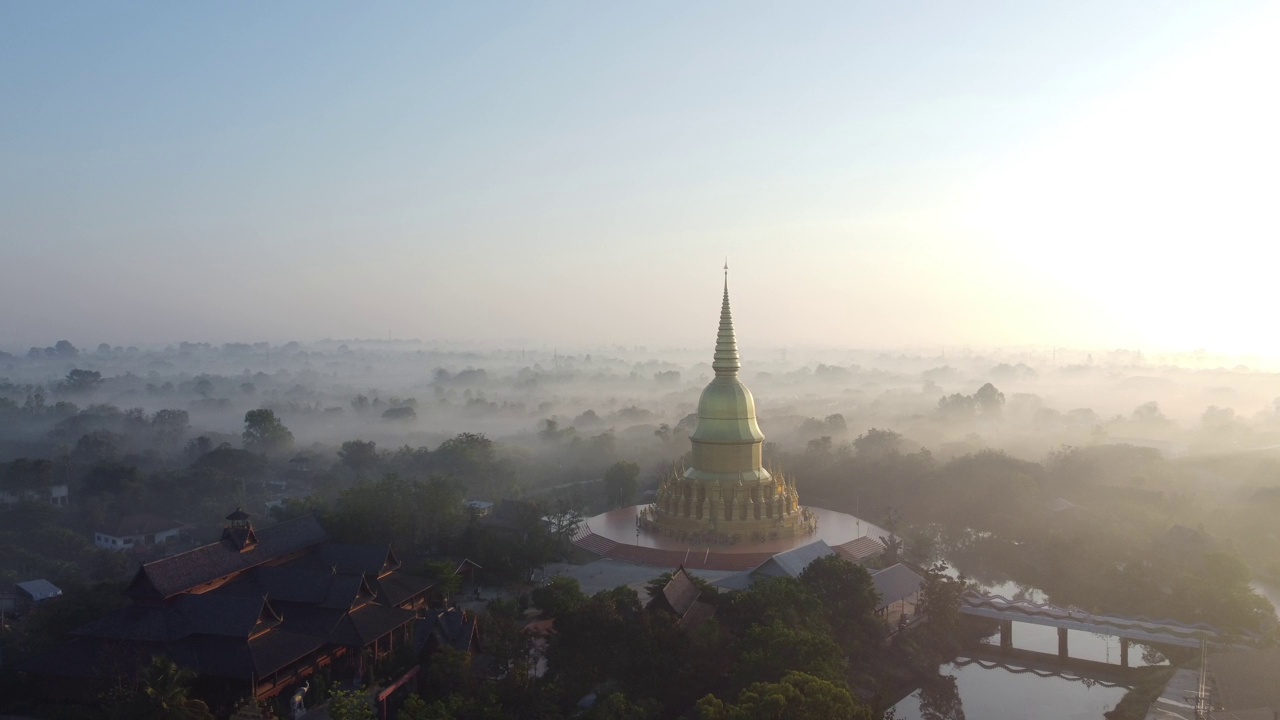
[727, 496]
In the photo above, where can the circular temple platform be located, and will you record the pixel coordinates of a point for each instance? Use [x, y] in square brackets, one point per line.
[613, 535]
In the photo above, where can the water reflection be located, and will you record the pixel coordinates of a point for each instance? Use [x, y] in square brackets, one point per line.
[997, 694]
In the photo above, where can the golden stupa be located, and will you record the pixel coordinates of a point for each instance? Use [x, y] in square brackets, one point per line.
[727, 496]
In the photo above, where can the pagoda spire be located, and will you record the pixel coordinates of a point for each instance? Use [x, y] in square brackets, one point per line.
[726, 357]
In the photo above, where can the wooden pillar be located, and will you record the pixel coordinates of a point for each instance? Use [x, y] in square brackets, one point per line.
[1124, 652]
[1006, 634]
[1062, 643]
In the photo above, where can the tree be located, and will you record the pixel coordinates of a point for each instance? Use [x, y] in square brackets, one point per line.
[359, 455]
[170, 426]
[620, 483]
[168, 687]
[876, 444]
[940, 602]
[241, 464]
[799, 696]
[64, 348]
[849, 599]
[81, 381]
[559, 597]
[263, 432]
[990, 401]
[350, 705]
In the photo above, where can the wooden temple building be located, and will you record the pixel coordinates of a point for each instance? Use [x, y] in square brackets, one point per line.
[253, 614]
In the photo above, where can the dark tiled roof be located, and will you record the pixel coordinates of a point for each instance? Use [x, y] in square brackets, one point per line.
[680, 592]
[345, 591]
[213, 614]
[398, 588]
[226, 615]
[366, 559]
[140, 623]
[374, 621]
[698, 614]
[172, 575]
[453, 628]
[277, 649]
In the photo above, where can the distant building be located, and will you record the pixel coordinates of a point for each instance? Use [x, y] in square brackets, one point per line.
[137, 531]
[56, 495]
[26, 594]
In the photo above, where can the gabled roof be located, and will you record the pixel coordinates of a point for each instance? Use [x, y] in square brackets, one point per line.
[698, 614]
[897, 582]
[453, 628]
[364, 559]
[680, 592]
[227, 616]
[860, 549]
[399, 587]
[178, 573]
[793, 562]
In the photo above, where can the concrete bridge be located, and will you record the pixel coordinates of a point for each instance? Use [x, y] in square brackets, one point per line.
[1143, 630]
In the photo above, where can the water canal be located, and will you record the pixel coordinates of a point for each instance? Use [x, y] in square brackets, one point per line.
[986, 692]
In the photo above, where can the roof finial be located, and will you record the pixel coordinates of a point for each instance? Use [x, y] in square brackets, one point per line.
[726, 357]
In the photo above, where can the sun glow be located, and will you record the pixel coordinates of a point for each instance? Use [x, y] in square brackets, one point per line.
[1156, 207]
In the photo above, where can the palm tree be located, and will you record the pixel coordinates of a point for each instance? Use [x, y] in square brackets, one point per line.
[168, 687]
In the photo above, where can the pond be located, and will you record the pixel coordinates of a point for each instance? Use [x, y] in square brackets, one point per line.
[997, 693]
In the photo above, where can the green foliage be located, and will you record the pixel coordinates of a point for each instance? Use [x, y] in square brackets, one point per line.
[559, 597]
[359, 455]
[798, 696]
[264, 433]
[849, 600]
[940, 602]
[350, 705]
[168, 688]
[616, 706]
[620, 483]
[410, 514]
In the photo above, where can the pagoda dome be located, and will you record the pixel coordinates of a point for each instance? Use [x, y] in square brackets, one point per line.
[726, 410]
[727, 413]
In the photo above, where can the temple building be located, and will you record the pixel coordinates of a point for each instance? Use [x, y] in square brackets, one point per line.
[253, 615]
[727, 496]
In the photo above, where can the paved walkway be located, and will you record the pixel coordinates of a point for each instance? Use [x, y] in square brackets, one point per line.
[1172, 703]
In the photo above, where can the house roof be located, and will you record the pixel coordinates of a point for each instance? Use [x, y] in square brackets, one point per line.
[39, 589]
[860, 549]
[399, 588]
[680, 592]
[793, 562]
[178, 573]
[365, 559]
[141, 524]
[698, 614]
[452, 627]
[894, 583]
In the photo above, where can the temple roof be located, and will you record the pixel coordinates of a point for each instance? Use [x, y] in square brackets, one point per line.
[178, 573]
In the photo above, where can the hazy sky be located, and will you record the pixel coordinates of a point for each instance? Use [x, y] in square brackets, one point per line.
[878, 173]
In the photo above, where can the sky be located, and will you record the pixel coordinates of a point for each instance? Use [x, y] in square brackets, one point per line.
[980, 174]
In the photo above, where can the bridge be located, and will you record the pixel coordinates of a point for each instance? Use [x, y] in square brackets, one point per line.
[1140, 629]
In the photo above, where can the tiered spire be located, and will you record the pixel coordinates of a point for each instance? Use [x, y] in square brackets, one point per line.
[726, 358]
